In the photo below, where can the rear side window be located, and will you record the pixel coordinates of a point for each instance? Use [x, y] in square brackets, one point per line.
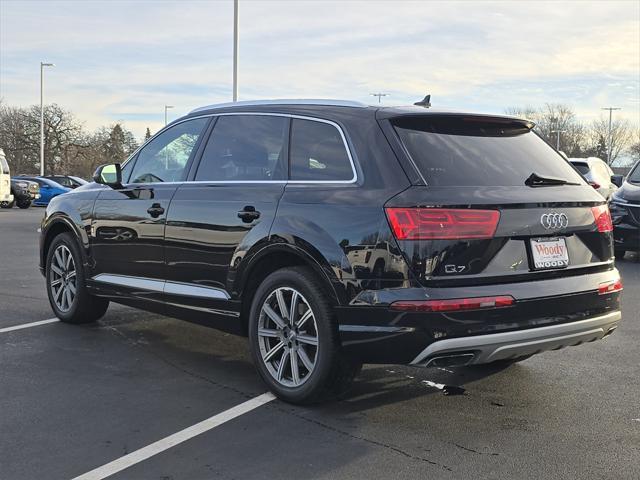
[583, 168]
[473, 151]
[318, 152]
[245, 148]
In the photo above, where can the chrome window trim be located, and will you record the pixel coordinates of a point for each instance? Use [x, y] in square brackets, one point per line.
[353, 179]
[284, 102]
[162, 286]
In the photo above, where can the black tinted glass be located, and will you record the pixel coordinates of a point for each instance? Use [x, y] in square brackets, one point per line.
[472, 151]
[245, 147]
[583, 168]
[164, 158]
[318, 152]
[4, 165]
[634, 176]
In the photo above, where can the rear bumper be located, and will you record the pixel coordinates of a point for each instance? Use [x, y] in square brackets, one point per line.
[508, 345]
[7, 197]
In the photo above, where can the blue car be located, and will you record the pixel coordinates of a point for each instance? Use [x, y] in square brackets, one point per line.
[48, 189]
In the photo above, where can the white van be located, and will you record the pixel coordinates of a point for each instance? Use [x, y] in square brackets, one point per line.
[5, 179]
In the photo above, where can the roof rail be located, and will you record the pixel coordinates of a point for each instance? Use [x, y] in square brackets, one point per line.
[299, 101]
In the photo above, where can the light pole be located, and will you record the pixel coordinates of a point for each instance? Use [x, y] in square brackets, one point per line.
[42, 65]
[558, 138]
[166, 107]
[235, 50]
[379, 95]
[611, 109]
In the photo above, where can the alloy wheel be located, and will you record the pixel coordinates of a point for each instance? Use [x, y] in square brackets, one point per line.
[288, 337]
[63, 278]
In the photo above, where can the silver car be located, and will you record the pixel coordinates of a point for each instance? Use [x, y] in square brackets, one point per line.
[598, 174]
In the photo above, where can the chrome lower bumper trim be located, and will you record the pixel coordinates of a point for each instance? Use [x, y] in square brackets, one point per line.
[506, 345]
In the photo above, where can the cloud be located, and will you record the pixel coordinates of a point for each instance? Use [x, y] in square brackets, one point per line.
[125, 60]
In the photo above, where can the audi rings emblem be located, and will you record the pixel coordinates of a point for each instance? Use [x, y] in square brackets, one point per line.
[554, 220]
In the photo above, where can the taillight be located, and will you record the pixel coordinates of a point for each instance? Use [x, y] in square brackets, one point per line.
[602, 218]
[455, 304]
[594, 185]
[442, 223]
[610, 287]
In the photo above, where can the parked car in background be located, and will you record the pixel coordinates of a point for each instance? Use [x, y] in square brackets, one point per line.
[24, 193]
[598, 174]
[477, 242]
[625, 212]
[5, 180]
[69, 181]
[48, 189]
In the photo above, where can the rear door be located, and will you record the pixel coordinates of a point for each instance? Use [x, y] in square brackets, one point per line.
[226, 208]
[127, 230]
[497, 204]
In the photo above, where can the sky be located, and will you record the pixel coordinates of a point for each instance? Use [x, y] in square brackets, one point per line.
[122, 61]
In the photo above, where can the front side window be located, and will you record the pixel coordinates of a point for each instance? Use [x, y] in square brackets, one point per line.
[164, 159]
[318, 152]
[245, 148]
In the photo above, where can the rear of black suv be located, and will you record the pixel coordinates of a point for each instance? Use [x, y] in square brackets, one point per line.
[509, 251]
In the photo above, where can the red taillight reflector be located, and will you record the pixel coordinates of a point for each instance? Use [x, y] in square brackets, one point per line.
[442, 223]
[610, 287]
[602, 218]
[455, 304]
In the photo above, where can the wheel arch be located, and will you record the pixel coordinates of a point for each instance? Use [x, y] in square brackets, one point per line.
[268, 260]
[56, 225]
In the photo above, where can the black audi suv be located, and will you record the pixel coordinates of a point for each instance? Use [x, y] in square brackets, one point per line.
[625, 211]
[334, 234]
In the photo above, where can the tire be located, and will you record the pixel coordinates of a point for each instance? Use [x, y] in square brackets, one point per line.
[69, 307]
[24, 205]
[296, 370]
[619, 253]
[7, 204]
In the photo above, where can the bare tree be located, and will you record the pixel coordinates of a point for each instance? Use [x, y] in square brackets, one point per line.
[621, 137]
[550, 119]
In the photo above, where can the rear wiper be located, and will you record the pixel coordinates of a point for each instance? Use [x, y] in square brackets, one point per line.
[535, 180]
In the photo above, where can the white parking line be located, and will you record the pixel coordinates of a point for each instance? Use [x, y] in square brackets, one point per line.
[28, 325]
[175, 439]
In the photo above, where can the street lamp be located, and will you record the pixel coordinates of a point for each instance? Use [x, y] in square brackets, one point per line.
[379, 95]
[42, 65]
[611, 109]
[235, 49]
[166, 107]
[558, 139]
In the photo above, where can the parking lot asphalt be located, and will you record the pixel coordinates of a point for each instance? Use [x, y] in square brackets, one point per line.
[74, 398]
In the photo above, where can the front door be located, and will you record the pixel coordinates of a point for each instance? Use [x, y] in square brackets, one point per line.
[229, 206]
[127, 229]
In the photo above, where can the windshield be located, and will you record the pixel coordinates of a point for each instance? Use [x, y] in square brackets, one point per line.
[472, 151]
[634, 176]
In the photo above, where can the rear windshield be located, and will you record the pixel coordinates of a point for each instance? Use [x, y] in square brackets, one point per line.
[4, 166]
[472, 151]
[583, 168]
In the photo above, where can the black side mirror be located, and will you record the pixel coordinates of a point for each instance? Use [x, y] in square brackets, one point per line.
[110, 175]
[617, 180]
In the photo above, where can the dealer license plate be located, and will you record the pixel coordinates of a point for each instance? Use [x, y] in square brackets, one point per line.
[549, 253]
